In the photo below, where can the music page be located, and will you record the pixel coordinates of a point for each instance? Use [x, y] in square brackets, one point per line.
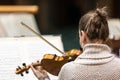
[15, 51]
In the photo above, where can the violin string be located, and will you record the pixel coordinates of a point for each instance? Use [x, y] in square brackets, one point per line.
[41, 37]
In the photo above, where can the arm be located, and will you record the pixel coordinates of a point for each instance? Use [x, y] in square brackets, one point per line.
[40, 73]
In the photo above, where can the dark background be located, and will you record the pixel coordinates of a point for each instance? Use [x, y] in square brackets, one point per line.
[62, 16]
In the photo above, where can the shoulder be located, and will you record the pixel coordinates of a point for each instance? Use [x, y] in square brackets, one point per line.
[70, 66]
[67, 67]
[114, 64]
[66, 71]
[116, 60]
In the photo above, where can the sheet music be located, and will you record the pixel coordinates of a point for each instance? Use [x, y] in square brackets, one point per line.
[15, 51]
[15, 28]
[9, 59]
[114, 27]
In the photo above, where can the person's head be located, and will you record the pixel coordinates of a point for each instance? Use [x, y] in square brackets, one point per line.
[93, 27]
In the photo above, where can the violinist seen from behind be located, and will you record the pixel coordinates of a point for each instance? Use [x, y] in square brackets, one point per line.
[96, 62]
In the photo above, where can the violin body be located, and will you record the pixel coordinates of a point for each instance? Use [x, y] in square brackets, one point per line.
[53, 63]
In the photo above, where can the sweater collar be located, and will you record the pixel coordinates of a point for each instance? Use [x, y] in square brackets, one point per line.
[95, 54]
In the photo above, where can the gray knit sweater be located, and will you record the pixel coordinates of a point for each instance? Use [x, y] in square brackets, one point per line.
[95, 63]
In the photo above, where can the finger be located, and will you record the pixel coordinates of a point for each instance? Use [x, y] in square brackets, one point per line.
[33, 69]
[39, 68]
[44, 72]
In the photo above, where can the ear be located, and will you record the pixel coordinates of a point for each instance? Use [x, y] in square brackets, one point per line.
[83, 36]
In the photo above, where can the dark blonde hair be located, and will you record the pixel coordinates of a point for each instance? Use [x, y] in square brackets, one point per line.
[95, 25]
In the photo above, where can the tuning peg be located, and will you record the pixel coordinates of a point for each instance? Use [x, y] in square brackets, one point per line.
[21, 74]
[37, 61]
[24, 64]
[27, 72]
[19, 67]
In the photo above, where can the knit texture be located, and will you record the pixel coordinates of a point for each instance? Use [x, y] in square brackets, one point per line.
[95, 63]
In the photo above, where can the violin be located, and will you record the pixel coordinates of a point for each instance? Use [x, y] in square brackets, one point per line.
[50, 62]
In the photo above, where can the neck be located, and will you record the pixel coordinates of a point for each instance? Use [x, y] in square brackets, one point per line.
[99, 41]
[95, 54]
[96, 41]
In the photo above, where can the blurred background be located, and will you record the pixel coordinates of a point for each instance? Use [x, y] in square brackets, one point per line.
[61, 17]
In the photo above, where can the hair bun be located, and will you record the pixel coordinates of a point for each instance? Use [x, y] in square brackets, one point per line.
[102, 12]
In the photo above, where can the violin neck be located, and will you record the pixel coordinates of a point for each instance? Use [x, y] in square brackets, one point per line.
[36, 64]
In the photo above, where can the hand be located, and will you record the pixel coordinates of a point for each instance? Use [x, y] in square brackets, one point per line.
[39, 72]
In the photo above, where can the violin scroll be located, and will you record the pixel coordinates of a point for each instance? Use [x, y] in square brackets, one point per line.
[25, 68]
